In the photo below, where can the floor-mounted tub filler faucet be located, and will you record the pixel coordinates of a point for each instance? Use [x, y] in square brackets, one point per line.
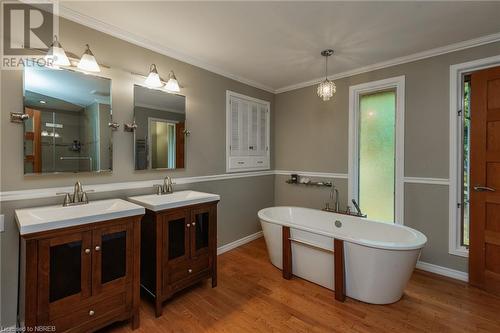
[166, 188]
[79, 196]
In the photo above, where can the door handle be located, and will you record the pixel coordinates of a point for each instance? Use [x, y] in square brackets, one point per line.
[484, 189]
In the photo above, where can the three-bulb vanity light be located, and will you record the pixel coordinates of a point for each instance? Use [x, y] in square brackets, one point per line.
[56, 57]
[154, 81]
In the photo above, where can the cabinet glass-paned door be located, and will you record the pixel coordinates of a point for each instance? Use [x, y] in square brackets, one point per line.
[65, 270]
[200, 223]
[112, 256]
[177, 237]
[65, 266]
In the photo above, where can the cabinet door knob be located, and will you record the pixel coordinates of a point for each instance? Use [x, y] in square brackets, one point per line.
[91, 312]
[98, 248]
[190, 271]
[194, 223]
[188, 225]
[87, 251]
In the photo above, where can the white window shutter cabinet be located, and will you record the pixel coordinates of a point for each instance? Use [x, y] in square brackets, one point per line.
[247, 131]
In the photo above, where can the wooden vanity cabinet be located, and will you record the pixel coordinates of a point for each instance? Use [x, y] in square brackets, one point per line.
[178, 249]
[82, 278]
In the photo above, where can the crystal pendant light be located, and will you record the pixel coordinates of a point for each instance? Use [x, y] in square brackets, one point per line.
[172, 84]
[87, 62]
[56, 56]
[153, 79]
[327, 88]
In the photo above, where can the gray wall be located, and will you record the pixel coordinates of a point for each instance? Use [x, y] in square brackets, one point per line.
[205, 148]
[312, 135]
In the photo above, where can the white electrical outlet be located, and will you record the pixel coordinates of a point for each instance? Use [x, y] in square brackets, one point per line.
[2, 225]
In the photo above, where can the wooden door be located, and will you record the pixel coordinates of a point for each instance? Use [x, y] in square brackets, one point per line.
[64, 273]
[34, 134]
[484, 250]
[112, 258]
[176, 246]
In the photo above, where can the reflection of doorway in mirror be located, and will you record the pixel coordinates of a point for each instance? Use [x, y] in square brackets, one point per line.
[161, 143]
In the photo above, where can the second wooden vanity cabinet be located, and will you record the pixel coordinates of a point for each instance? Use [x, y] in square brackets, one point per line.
[179, 248]
[81, 278]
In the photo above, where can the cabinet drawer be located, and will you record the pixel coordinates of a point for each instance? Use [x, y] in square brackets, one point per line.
[113, 305]
[260, 162]
[239, 162]
[186, 268]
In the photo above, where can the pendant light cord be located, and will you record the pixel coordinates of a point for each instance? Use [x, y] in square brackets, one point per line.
[326, 67]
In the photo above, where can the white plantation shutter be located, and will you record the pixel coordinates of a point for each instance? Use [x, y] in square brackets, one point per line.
[263, 123]
[253, 129]
[235, 128]
[243, 111]
[247, 133]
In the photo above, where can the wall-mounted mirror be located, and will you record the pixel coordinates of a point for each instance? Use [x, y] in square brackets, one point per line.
[159, 137]
[68, 128]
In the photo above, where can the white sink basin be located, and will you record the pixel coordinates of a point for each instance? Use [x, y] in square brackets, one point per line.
[157, 202]
[38, 219]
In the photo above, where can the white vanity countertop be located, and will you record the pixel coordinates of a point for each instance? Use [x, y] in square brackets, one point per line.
[157, 202]
[37, 219]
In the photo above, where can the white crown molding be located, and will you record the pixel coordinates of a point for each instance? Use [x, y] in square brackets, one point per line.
[423, 180]
[239, 242]
[130, 37]
[312, 174]
[400, 60]
[445, 271]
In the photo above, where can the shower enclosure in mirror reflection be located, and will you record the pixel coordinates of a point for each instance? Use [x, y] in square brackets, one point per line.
[68, 126]
[159, 136]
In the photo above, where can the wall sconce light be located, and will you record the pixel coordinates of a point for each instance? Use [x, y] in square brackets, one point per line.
[153, 80]
[172, 84]
[88, 62]
[56, 56]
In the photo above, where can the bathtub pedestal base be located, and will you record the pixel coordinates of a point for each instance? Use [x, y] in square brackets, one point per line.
[287, 253]
[338, 264]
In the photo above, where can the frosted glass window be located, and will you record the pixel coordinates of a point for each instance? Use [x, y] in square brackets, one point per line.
[377, 143]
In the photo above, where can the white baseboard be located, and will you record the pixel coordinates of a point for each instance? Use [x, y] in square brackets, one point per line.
[239, 242]
[448, 272]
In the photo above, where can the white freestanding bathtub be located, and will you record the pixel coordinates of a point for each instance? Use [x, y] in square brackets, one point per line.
[379, 258]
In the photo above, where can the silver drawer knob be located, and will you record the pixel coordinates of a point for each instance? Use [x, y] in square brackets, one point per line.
[193, 224]
[190, 271]
[98, 248]
[87, 251]
[91, 312]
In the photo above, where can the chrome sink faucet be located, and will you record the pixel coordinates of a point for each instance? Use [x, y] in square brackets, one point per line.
[166, 188]
[79, 196]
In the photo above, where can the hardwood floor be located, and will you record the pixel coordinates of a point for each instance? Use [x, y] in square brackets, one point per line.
[252, 296]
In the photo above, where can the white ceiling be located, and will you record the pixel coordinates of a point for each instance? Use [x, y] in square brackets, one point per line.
[278, 44]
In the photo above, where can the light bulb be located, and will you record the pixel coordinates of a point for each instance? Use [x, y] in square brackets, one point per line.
[88, 62]
[153, 80]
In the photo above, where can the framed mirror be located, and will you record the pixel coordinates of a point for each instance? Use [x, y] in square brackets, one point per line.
[68, 128]
[159, 139]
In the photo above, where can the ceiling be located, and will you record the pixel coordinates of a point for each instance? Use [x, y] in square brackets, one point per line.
[278, 44]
